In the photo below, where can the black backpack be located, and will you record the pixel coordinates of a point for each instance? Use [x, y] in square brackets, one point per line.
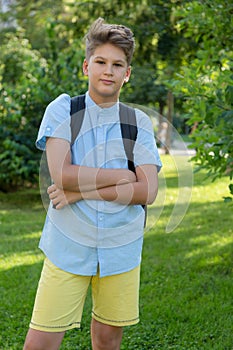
[128, 123]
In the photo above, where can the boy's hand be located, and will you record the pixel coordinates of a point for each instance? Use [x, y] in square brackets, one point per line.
[62, 198]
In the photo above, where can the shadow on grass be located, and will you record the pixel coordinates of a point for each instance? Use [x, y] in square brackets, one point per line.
[25, 197]
[21, 219]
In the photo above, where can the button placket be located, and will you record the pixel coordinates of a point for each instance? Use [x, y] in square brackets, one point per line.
[100, 154]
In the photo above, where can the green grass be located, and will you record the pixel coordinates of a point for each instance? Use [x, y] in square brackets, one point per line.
[186, 300]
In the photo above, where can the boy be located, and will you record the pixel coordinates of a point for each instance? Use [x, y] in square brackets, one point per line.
[94, 226]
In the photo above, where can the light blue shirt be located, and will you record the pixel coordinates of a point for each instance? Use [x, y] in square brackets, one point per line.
[91, 234]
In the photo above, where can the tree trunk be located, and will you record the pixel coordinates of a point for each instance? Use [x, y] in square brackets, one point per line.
[170, 105]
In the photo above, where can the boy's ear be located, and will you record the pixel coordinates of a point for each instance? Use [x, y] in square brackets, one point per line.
[127, 75]
[85, 67]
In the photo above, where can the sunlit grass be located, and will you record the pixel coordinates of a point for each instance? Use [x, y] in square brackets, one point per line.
[19, 259]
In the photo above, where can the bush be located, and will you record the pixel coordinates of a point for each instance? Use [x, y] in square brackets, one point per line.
[28, 82]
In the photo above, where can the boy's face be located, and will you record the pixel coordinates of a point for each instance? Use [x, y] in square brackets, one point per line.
[107, 70]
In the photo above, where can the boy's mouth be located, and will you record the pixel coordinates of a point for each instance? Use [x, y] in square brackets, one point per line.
[107, 82]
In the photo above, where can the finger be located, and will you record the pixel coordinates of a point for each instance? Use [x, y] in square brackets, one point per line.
[55, 202]
[51, 189]
[53, 195]
[56, 194]
[55, 198]
[60, 205]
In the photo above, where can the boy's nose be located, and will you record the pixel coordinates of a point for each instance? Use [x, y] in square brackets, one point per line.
[109, 70]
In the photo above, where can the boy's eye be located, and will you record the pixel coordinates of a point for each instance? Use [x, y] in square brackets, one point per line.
[103, 62]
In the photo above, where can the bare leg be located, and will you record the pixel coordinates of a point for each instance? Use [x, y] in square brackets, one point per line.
[105, 337]
[37, 340]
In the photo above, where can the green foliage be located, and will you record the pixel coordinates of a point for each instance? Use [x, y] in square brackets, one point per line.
[22, 69]
[206, 82]
[28, 82]
[213, 137]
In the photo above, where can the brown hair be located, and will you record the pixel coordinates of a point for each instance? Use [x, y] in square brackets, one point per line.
[101, 33]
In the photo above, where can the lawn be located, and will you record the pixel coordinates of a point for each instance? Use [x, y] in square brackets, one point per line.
[186, 298]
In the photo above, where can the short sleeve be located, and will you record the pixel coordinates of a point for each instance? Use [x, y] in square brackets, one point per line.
[55, 122]
[145, 149]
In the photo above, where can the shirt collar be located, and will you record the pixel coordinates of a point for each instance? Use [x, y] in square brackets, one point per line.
[108, 111]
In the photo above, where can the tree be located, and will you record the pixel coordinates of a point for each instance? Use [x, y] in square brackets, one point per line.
[206, 83]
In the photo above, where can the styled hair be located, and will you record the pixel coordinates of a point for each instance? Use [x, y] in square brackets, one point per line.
[102, 33]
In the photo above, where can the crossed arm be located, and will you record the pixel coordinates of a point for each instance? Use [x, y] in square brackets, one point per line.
[73, 182]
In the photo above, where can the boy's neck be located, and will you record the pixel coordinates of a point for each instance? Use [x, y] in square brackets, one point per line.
[102, 102]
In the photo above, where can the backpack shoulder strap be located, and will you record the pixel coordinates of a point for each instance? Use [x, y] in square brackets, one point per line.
[77, 110]
[129, 131]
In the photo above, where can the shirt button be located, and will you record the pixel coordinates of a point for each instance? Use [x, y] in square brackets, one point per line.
[101, 218]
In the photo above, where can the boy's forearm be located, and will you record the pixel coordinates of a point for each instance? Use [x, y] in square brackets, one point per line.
[128, 194]
[142, 191]
[70, 177]
[82, 178]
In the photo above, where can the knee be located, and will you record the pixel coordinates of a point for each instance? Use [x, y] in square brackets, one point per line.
[104, 342]
[106, 337]
[32, 341]
[30, 344]
[35, 344]
[38, 340]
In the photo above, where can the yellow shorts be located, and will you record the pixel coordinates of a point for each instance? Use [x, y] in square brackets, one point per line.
[61, 295]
